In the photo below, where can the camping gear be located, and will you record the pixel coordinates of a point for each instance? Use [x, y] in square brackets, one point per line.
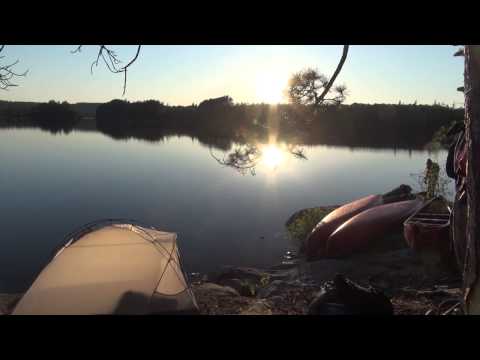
[344, 297]
[112, 267]
[428, 229]
[364, 229]
[315, 245]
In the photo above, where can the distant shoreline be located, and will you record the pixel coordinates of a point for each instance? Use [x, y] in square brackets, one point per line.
[220, 124]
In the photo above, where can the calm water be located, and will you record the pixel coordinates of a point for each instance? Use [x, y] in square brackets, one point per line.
[51, 184]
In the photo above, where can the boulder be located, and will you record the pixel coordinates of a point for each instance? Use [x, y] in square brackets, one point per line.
[244, 288]
[344, 297]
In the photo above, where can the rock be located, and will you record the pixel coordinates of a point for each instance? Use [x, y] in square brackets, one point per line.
[261, 307]
[289, 264]
[276, 300]
[242, 273]
[343, 296]
[216, 290]
[289, 274]
[274, 288]
[401, 265]
[244, 288]
[8, 302]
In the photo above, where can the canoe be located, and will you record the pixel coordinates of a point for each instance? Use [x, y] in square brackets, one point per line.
[428, 229]
[111, 267]
[316, 242]
[364, 229]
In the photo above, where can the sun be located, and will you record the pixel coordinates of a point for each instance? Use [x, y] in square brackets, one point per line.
[272, 156]
[270, 88]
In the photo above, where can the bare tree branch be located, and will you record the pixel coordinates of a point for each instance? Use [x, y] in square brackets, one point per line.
[77, 50]
[246, 158]
[7, 73]
[111, 61]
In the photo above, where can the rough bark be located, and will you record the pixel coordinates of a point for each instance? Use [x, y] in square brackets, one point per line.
[472, 125]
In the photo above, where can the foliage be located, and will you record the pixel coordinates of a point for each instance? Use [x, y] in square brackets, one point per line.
[357, 125]
[440, 139]
[301, 224]
[441, 187]
[305, 88]
[54, 116]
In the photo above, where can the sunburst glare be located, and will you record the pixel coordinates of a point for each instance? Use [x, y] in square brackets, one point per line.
[270, 87]
[272, 156]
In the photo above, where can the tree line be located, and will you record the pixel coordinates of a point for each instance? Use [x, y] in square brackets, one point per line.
[221, 122]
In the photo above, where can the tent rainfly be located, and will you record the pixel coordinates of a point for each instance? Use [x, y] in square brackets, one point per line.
[112, 267]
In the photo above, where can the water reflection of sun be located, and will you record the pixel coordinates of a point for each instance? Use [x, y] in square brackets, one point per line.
[272, 156]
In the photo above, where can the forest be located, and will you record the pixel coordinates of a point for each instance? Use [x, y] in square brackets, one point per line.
[220, 122]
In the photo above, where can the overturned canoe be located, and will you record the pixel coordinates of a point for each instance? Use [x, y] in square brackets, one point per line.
[362, 230]
[428, 229]
[316, 242]
[112, 268]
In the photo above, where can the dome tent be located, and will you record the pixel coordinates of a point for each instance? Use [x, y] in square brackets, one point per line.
[112, 267]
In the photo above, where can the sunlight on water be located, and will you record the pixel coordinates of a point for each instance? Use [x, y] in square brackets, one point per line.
[55, 183]
[272, 156]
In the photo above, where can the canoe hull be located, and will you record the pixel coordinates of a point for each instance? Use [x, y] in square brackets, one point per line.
[358, 233]
[316, 243]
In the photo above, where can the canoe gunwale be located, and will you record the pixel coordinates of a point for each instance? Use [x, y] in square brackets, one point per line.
[422, 234]
[411, 218]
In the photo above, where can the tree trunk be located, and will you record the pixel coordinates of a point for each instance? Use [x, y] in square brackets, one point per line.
[472, 134]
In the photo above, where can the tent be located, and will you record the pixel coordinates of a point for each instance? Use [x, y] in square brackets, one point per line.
[112, 267]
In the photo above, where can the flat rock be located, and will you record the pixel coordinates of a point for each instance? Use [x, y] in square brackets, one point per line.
[253, 275]
[401, 265]
[261, 307]
[286, 265]
[275, 288]
[216, 290]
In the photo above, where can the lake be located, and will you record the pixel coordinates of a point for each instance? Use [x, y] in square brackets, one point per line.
[52, 184]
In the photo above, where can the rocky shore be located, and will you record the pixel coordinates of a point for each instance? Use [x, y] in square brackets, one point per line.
[413, 285]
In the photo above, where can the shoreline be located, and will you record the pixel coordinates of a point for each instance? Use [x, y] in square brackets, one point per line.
[413, 283]
[412, 286]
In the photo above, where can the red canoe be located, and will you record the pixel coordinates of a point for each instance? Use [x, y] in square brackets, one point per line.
[316, 242]
[428, 229]
[362, 230]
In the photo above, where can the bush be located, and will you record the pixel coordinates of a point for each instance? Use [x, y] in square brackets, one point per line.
[301, 224]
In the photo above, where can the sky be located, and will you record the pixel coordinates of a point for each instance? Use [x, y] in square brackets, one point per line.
[187, 74]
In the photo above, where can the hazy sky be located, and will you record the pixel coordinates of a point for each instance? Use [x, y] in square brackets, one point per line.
[182, 75]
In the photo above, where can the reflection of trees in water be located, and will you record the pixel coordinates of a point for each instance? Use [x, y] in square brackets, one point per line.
[246, 158]
[222, 125]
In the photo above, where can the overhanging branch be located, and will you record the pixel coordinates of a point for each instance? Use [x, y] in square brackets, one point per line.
[111, 61]
[335, 74]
